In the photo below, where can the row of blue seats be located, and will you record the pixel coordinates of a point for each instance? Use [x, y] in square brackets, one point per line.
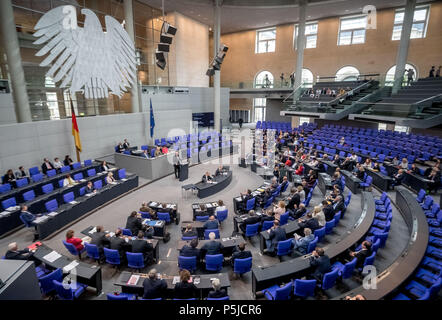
[427, 279]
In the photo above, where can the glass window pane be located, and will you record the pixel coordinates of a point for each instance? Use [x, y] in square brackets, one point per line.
[420, 15]
[311, 29]
[358, 36]
[344, 38]
[353, 23]
[311, 42]
[397, 30]
[262, 46]
[417, 30]
[267, 35]
[399, 17]
[271, 46]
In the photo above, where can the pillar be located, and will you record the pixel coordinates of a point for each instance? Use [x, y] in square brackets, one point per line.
[13, 56]
[300, 44]
[217, 76]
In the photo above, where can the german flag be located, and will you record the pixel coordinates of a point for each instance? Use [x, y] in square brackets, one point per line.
[75, 131]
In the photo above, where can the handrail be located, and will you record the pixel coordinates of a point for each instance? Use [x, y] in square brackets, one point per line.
[293, 92]
[345, 95]
[359, 76]
[433, 97]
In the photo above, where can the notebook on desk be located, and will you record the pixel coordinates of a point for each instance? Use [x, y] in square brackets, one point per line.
[133, 280]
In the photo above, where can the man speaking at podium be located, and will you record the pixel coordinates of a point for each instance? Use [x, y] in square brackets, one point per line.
[176, 164]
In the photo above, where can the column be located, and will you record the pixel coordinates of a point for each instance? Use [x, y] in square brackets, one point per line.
[300, 44]
[13, 56]
[217, 76]
[402, 53]
[129, 19]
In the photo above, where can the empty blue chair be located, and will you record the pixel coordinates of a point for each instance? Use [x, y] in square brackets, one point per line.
[29, 195]
[71, 248]
[70, 291]
[214, 262]
[76, 165]
[241, 266]
[121, 296]
[98, 184]
[152, 152]
[51, 173]
[348, 199]
[329, 225]
[112, 256]
[68, 197]
[278, 293]
[366, 183]
[21, 182]
[250, 204]
[428, 202]
[46, 285]
[221, 215]
[421, 196]
[87, 162]
[5, 188]
[369, 260]
[266, 225]
[144, 147]
[65, 169]
[312, 245]
[284, 248]
[33, 171]
[304, 288]
[208, 231]
[165, 216]
[268, 203]
[51, 205]
[419, 291]
[78, 176]
[346, 270]
[126, 232]
[284, 218]
[91, 172]
[187, 263]
[320, 233]
[37, 177]
[10, 202]
[82, 191]
[92, 251]
[122, 173]
[47, 188]
[202, 218]
[135, 260]
[329, 279]
[252, 230]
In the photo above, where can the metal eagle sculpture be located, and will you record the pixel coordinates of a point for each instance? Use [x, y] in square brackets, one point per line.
[88, 59]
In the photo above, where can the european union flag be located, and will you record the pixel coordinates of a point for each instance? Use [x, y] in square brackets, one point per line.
[152, 119]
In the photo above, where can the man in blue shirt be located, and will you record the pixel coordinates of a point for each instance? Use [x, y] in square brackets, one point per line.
[27, 216]
[211, 223]
[300, 244]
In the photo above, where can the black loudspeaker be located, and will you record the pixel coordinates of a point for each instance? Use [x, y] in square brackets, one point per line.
[169, 29]
[224, 48]
[166, 39]
[210, 72]
[160, 56]
[163, 47]
[161, 64]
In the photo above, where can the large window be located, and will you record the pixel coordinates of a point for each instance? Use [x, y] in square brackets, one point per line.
[311, 35]
[352, 30]
[264, 79]
[420, 21]
[306, 78]
[265, 40]
[347, 73]
[259, 104]
[389, 77]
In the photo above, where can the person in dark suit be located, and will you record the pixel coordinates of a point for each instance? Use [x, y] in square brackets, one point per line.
[276, 234]
[184, 289]
[140, 245]
[213, 247]
[133, 223]
[153, 286]
[321, 262]
[21, 173]
[27, 216]
[299, 212]
[337, 160]
[434, 178]
[206, 177]
[191, 251]
[361, 254]
[240, 252]
[251, 219]
[399, 177]
[294, 200]
[217, 292]
[46, 166]
[67, 160]
[212, 223]
[104, 167]
[327, 208]
[245, 197]
[8, 177]
[189, 232]
[309, 222]
[126, 144]
[219, 171]
[90, 188]
[14, 254]
[100, 239]
[119, 243]
[338, 205]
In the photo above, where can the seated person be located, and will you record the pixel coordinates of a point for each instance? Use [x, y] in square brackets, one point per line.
[338, 205]
[191, 250]
[217, 292]
[46, 166]
[185, 289]
[110, 178]
[376, 167]
[294, 200]
[212, 223]
[279, 210]
[58, 164]
[189, 232]
[154, 287]
[403, 164]
[240, 252]
[140, 245]
[100, 239]
[337, 160]
[399, 177]
[134, 223]
[206, 177]
[212, 247]
[327, 209]
[299, 211]
[158, 152]
[146, 208]
[14, 254]
[8, 177]
[104, 167]
[77, 242]
[251, 219]
[171, 212]
[68, 181]
[319, 215]
[126, 144]
[145, 154]
[309, 222]
[414, 169]
[164, 150]
[361, 254]
[219, 171]
[120, 147]
[119, 243]
[90, 188]
[202, 210]
[321, 262]
[67, 160]
[245, 197]
[434, 177]
[27, 216]
[284, 181]
[21, 173]
[221, 206]
[300, 244]
[276, 234]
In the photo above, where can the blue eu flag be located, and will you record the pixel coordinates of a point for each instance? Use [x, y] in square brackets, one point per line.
[152, 119]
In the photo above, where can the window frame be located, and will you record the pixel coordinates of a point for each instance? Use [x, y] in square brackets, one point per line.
[425, 21]
[257, 41]
[352, 30]
[295, 35]
[262, 105]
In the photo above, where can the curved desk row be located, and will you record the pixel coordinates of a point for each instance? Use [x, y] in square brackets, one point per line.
[409, 260]
[264, 277]
[208, 189]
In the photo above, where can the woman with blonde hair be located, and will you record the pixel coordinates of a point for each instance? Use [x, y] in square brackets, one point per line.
[319, 215]
[279, 210]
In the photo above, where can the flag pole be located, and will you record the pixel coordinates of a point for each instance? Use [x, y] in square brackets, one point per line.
[72, 111]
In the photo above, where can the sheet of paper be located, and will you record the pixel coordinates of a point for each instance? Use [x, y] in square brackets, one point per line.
[70, 266]
[133, 280]
[51, 257]
[73, 202]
